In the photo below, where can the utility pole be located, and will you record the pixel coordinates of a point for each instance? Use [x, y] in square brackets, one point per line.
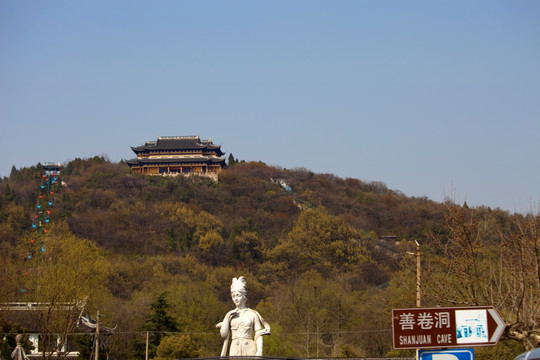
[418, 273]
[146, 356]
[418, 268]
[418, 283]
[97, 337]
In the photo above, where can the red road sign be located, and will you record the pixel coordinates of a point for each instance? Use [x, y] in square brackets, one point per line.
[446, 327]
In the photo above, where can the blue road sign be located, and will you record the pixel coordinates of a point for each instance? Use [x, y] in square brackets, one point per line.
[454, 354]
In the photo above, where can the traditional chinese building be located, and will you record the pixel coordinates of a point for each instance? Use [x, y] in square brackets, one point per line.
[56, 338]
[173, 155]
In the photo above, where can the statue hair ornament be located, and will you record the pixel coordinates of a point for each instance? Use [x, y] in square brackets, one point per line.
[239, 284]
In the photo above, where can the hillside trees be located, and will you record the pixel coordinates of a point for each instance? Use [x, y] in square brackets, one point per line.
[69, 275]
[9, 273]
[319, 317]
[246, 199]
[368, 206]
[468, 259]
[248, 248]
[307, 310]
[483, 261]
[319, 241]
[103, 202]
[158, 323]
[307, 238]
[177, 347]
[521, 259]
[196, 306]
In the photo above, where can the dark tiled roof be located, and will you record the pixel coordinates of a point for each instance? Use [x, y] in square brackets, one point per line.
[178, 143]
[87, 324]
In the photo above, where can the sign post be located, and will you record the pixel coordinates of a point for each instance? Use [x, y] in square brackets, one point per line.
[446, 327]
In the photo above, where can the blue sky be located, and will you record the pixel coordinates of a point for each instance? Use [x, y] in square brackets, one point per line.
[433, 98]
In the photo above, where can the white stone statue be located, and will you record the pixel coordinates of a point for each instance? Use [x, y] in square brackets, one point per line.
[18, 353]
[242, 327]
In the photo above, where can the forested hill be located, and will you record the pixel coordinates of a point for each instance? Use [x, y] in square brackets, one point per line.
[325, 257]
[126, 213]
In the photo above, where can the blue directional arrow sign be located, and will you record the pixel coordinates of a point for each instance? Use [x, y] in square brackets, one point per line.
[454, 354]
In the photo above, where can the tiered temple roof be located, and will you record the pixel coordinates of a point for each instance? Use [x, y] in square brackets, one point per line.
[178, 143]
[171, 155]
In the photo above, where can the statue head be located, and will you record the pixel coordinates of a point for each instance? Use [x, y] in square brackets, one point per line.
[238, 291]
